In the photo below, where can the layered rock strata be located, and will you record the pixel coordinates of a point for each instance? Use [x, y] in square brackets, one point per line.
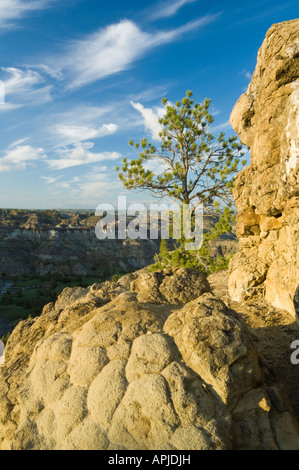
[266, 192]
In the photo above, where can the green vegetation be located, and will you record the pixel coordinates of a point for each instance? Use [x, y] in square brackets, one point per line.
[4, 338]
[195, 169]
[11, 313]
[115, 277]
[29, 295]
[197, 259]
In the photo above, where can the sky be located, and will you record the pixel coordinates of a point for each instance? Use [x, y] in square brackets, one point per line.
[80, 78]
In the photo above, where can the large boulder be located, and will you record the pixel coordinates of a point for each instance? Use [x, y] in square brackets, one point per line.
[266, 192]
[112, 372]
[215, 344]
[176, 286]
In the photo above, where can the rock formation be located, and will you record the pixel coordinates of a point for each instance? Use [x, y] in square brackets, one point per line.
[119, 366]
[45, 242]
[41, 243]
[266, 193]
[156, 360]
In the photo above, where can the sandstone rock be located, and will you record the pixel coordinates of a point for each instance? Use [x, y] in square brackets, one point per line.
[68, 296]
[127, 279]
[177, 286]
[121, 377]
[266, 192]
[296, 304]
[216, 346]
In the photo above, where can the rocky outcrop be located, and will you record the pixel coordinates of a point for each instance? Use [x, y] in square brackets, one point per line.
[266, 192]
[162, 287]
[113, 367]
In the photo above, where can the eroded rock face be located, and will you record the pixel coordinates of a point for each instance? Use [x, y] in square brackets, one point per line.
[177, 286]
[102, 369]
[266, 193]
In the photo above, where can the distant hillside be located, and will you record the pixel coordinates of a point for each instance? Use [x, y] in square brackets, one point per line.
[42, 252]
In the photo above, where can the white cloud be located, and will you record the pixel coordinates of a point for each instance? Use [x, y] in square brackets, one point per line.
[150, 94]
[186, 28]
[50, 180]
[221, 127]
[67, 184]
[80, 124]
[79, 154]
[12, 10]
[19, 156]
[169, 8]
[97, 185]
[156, 166]
[18, 142]
[150, 118]
[61, 184]
[114, 49]
[8, 106]
[91, 186]
[83, 114]
[74, 145]
[246, 74]
[20, 80]
[24, 86]
[77, 133]
[106, 52]
[53, 72]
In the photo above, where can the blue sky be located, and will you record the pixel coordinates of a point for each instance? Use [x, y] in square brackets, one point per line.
[83, 77]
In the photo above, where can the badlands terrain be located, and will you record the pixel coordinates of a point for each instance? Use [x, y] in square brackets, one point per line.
[172, 359]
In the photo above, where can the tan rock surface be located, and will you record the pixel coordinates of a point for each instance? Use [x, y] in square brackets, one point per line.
[138, 375]
[266, 193]
[164, 286]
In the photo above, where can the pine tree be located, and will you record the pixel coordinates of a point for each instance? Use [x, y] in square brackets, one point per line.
[195, 167]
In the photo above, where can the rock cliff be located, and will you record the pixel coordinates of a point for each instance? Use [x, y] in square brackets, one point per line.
[46, 242]
[41, 243]
[266, 193]
[154, 361]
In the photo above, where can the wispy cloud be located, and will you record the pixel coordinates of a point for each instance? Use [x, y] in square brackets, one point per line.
[157, 167]
[91, 187]
[53, 71]
[80, 133]
[18, 156]
[8, 106]
[68, 184]
[221, 127]
[114, 49]
[50, 179]
[96, 185]
[170, 8]
[246, 74]
[150, 118]
[79, 154]
[79, 123]
[24, 87]
[265, 13]
[13, 10]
